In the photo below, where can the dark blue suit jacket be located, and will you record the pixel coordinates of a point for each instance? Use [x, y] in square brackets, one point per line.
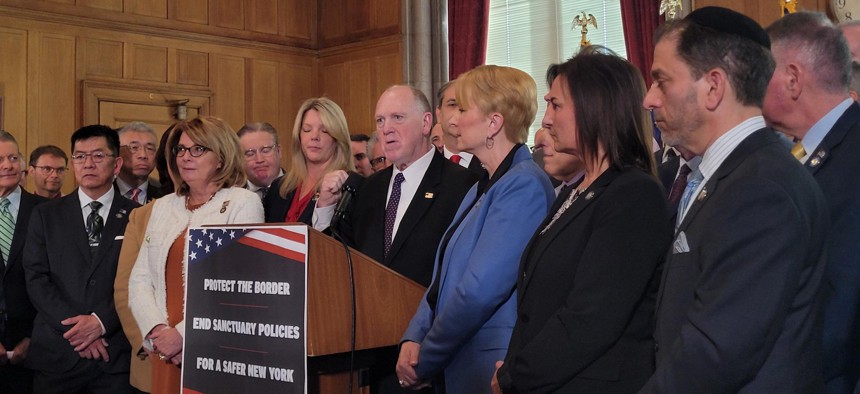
[835, 164]
[65, 280]
[476, 308]
[739, 303]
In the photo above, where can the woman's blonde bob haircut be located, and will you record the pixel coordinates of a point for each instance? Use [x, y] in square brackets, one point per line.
[219, 137]
[334, 123]
[505, 90]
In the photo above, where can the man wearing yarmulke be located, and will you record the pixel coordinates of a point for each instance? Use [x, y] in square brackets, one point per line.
[739, 304]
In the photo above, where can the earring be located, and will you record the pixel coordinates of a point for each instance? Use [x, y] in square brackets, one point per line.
[489, 142]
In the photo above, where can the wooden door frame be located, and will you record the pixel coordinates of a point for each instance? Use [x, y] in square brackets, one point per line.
[96, 91]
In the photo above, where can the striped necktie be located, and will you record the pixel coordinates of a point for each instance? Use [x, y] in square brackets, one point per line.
[7, 228]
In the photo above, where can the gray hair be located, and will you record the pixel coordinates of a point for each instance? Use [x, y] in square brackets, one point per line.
[370, 143]
[137, 126]
[818, 45]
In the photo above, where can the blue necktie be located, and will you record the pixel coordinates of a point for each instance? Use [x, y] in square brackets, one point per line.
[695, 179]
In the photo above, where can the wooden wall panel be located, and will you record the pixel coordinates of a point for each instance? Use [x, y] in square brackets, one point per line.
[296, 87]
[263, 16]
[263, 98]
[229, 85]
[149, 63]
[102, 58]
[354, 76]
[297, 18]
[52, 93]
[156, 8]
[356, 21]
[13, 88]
[228, 13]
[195, 11]
[763, 12]
[192, 68]
[112, 5]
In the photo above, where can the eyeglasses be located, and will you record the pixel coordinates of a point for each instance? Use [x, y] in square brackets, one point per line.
[134, 148]
[377, 161]
[98, 157]
[196, 150]
[265, 151]
[48, 170]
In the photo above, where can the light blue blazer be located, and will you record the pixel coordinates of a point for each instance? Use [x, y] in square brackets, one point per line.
[476, 308]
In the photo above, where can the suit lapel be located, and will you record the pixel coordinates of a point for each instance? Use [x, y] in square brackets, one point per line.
[114, 222]
[73, 218]
[28, 201]
[421, 202]
[583, 201]
[833, 138]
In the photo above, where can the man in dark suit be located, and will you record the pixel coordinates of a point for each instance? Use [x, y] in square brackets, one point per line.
[70, 261]
[739, 302]
[446, 105]
[400, 214]
[138, 144]
[808, 100]
[16, 310]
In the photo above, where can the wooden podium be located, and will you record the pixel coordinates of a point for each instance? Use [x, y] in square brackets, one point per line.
[385, 302]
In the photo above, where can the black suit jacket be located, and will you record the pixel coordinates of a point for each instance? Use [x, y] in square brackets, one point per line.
[276, 207]
[430, 212]
[64, 280]
[835, 164]
[739, 302]
[14, 301]
[152, 192]
[586, 291]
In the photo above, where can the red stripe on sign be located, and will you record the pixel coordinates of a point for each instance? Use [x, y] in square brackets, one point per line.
[273, 249]
[279, 232]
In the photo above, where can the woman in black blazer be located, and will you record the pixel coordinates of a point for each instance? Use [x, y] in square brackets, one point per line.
[320, 144]
[588, 278]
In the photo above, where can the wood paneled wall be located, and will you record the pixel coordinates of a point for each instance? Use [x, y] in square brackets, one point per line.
[258, 59]
[763, 12]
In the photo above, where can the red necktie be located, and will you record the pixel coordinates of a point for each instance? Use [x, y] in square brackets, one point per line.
[456, 159]
[135, 194]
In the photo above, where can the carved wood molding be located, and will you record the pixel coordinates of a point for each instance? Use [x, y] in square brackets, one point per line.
[122, 91]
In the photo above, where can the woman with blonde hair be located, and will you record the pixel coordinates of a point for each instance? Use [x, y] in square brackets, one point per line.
[463, 324]
[320, 144]
[207, 166]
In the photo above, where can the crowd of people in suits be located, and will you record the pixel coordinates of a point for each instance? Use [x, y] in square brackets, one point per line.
[727, 262]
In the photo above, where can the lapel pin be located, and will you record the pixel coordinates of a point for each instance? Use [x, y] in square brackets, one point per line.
[224, 206]
[428, 195]
[702, 195]
[589, 196]
[147, 239]
[119, 215]
[815, 162]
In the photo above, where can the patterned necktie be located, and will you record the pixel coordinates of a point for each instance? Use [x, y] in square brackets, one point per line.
[7, 228]
[135, 193]
[95, 223]
[391, 211]
[456, 159]
[679, 186]
[797, 151]
[692, 185]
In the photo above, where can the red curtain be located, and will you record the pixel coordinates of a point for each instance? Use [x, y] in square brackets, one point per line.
[640, 19]
[467, 35]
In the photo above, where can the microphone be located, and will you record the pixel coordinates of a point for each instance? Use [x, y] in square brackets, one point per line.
[348, 191]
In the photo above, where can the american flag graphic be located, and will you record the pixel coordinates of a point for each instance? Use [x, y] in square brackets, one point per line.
[202, 241]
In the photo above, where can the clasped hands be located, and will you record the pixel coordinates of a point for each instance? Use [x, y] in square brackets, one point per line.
[406, 363]
[166, 343]
[86, 337]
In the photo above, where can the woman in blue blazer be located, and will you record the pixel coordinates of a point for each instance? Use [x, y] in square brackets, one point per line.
[588, 280]
[463, 324]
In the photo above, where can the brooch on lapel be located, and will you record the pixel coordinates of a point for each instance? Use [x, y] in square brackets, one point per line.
[147, 238]
[428, 195]
[589, 196]
[819, 157]
[224, 206]
[702, 194]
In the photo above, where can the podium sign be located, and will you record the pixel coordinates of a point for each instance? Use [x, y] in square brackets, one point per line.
[245, 311]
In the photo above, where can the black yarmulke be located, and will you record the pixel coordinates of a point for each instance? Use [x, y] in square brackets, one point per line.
[731, 22]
